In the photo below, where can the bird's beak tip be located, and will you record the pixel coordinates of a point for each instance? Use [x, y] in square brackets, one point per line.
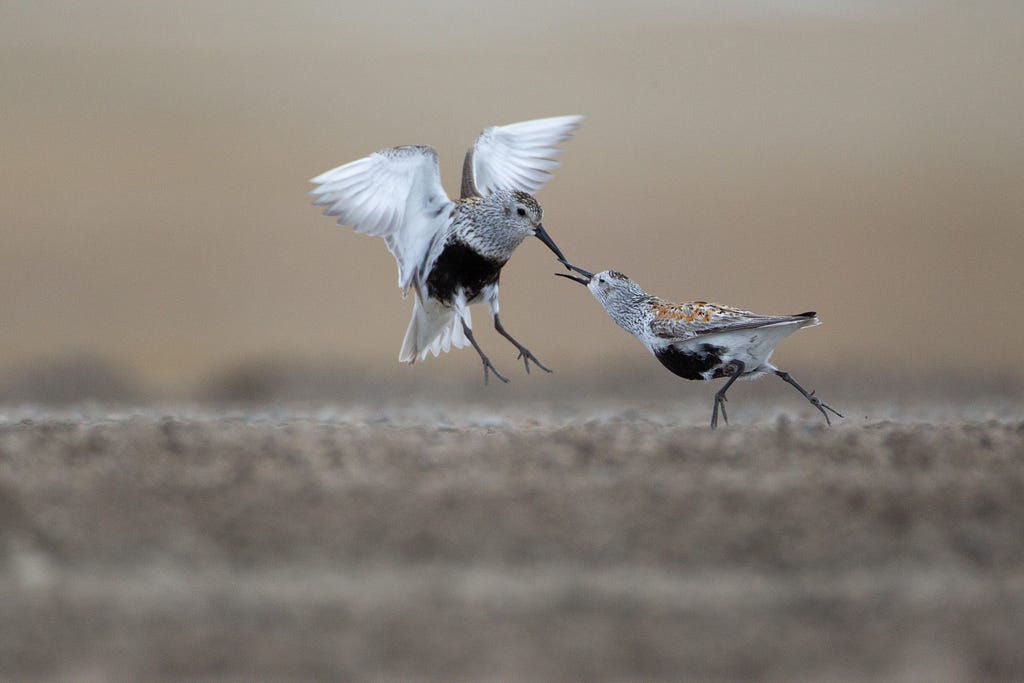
[583, 281]
[576, 269]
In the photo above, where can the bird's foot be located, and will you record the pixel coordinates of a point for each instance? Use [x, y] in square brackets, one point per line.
[733, 370]
[524, 353]
[489, 367]
[719, 403]
[526, 357]
[823, 407]
[815, 401]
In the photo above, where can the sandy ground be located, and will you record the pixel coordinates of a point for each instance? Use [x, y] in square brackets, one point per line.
[528, 542]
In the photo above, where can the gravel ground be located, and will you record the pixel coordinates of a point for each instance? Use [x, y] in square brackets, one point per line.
[529, 542]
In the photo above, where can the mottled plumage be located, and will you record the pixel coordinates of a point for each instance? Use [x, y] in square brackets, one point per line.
[450, 253]
[696, 339]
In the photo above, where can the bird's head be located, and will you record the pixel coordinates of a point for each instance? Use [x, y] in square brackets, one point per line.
[523, 216]
[611, 288]
[522, 211]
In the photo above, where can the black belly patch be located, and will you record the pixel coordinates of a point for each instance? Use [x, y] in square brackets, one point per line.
[457, 267]
[692, 364]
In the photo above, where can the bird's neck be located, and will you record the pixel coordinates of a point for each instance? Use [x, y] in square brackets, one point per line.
[634, 316]
[481, 228]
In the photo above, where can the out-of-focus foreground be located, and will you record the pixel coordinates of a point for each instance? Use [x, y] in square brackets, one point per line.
[555, 542]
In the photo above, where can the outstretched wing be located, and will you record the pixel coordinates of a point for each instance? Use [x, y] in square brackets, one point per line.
[518, 156]
[394, 193]
[696, 319]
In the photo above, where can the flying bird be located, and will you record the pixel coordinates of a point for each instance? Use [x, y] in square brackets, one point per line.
[696, 339]
[450, 253]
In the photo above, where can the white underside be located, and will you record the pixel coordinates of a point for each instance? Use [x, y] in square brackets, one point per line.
[434, 328]
[751, 347]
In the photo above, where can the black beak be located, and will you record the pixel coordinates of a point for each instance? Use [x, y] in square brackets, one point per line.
[585, 280]
[544, 237]
[573, 278]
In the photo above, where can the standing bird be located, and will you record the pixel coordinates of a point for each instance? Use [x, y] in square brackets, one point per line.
[451, 253]
[698, 340]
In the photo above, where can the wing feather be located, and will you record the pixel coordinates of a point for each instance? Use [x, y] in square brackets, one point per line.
[395, 194]
[681, 330]
[518, 156]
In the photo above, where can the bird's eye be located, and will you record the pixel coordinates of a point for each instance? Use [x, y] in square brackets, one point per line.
[520, 211]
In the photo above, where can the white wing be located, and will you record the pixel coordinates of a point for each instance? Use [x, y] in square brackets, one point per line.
[394, 193]
[515, 157]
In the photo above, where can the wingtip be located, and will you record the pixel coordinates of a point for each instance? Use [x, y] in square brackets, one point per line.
[569, 118]
[569, 121]
[323, 177]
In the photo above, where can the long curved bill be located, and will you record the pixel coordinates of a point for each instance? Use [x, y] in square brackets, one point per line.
[585, 280]
[542, 234]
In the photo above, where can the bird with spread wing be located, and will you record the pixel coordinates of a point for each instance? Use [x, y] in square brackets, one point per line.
[450, 253]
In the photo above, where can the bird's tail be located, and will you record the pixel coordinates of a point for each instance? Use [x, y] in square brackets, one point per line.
[434, 328]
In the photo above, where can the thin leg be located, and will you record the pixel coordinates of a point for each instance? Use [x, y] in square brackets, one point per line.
[524, 352]
[737, 370]
[486, 361]
[815, 401]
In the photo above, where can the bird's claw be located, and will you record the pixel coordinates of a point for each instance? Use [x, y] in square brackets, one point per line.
[488, 366]
[526, 357]
[719, 403]
[822, 407]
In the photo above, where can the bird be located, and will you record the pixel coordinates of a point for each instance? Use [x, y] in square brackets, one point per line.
[450, 253]
[697, 339]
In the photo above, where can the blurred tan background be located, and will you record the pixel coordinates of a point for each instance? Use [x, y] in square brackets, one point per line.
[863, 159]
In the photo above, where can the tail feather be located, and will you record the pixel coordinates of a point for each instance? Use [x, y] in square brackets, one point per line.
[434, 328]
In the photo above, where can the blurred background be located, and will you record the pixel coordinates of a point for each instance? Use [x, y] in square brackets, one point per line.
[864, 159]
